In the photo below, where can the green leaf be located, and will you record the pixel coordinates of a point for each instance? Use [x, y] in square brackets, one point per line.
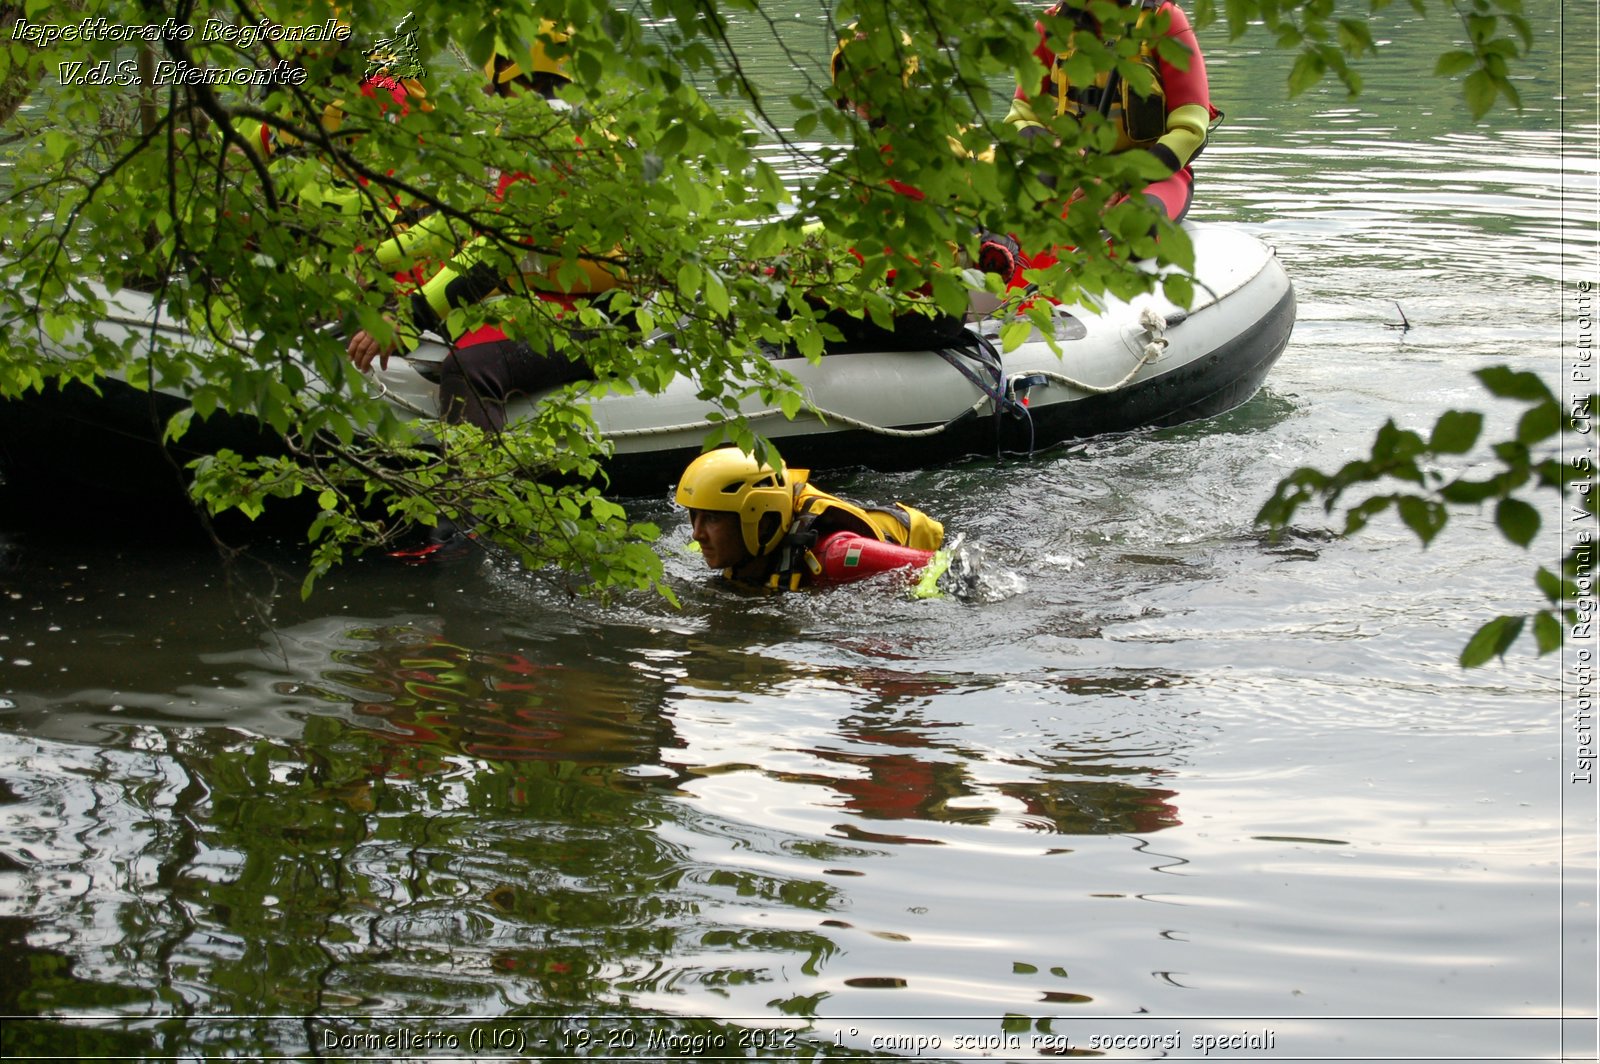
[1513, 384]
[1423, 516]
[1491, 641]
[1539, 423]
[204, 401]
[690, 278]
[1548, 631]
[673, 141]
[1455, 432]
[1308, 70]
[56, 145]
[1517, 520]
[1452, 63]
[1354, 36]
[1479, 90]
[1014, 333]
[1179, 289]
[178, 424]
[1398, 447]
[1357, 517]
[716, 294]
[1523, 27]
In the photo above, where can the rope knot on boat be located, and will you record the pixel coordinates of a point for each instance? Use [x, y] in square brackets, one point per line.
[1155, 328]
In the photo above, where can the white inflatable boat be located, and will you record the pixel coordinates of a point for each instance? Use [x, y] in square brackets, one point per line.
[1123, 366]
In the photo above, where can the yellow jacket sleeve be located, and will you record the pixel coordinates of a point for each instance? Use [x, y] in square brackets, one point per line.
[1185, 136]
[1021, 115]
[433, 236]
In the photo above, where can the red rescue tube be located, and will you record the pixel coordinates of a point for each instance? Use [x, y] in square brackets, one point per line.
[847, 556]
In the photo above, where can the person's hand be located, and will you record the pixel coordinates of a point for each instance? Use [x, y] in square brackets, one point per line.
[1114, 199]
[363, 348]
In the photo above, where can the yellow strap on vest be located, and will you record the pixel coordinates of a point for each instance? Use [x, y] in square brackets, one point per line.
[916, 529]
[1117, 111]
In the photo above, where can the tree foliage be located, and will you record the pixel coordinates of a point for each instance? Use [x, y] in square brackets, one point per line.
[1327, 36]
[1503, 474]
[662, 166]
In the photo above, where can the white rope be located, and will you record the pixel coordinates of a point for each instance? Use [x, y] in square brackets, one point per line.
[820, 413]
[1152, 351]
[694, 426]
[907, 434]
[1154, 324]
[1155, 327]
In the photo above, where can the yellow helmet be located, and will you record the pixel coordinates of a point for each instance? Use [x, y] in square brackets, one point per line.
[731, 481]
[538, 62]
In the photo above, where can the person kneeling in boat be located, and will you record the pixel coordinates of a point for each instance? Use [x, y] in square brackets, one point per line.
[1170, 121]
[486, 369]
[854, 69]
[773, 528]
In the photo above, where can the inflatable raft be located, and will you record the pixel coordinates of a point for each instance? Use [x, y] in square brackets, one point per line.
[1123, 365]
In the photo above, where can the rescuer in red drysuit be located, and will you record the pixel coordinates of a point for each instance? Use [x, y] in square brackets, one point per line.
[770, 528]
[1170, 122]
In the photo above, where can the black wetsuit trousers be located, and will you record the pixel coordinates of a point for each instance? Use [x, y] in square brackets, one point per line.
[476, 382]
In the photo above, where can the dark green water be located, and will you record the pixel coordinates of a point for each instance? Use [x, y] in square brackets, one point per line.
[1183, 783]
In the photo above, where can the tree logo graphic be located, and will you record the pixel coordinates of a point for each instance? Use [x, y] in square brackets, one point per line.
[396, 56]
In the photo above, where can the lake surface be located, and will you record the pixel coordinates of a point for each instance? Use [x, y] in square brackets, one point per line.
[1181, 783]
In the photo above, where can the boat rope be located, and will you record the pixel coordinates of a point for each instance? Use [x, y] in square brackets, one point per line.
[1002, 394]
[1155, 327]
[700, 426]
[821, 413]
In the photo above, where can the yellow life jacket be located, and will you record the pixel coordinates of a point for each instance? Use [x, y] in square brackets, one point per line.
[1140, 118]
[817, 514]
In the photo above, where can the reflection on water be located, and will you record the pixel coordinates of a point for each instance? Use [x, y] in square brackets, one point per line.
[442, 812]
[1186, 772]
[435, 698]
